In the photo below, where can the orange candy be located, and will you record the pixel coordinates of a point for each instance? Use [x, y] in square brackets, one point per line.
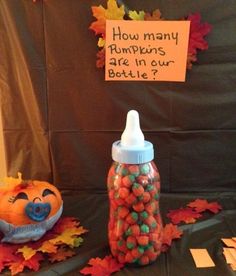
[151, 207]
[131, 242]
[123, 212]
[128, 180]
[123, 192]
[131, 199]
[138, 207]
[132, 218]
[137, 189]
[134, 169]
[129, 257]
[143, 240]
[144, 260]
[151, 222]
[137, 252]
[146, 197]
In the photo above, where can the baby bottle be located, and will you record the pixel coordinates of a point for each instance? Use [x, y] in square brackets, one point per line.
[135, 225]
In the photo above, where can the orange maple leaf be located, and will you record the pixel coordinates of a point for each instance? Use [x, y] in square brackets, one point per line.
[62, 254]
[101, 14]
[155, 16]
[186, 215]
[201, 205]
[48, 247]
[102, 267]
[20, 263]
[170, 232]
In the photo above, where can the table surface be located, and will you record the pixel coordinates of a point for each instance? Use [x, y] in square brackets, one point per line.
[92, 210]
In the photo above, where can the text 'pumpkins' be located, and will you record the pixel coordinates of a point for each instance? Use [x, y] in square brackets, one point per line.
[28, 209]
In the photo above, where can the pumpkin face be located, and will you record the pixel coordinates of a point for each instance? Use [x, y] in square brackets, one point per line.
[29, 203]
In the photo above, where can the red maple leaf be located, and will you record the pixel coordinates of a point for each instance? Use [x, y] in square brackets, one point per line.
[201, 205]
[7, 254]
[170, 232]
[20, 263]
[186, 215]
[197, 32]
[100, 58]
[101, 267]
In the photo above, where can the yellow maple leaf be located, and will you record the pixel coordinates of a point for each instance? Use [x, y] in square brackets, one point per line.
[113, 11]
[48, 247]
[101, 42]
[27, 252]
[68, 236]
[136, 15]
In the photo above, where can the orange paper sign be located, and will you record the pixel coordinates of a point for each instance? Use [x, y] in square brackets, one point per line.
[146, 50]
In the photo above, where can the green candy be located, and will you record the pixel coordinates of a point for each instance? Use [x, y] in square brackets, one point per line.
[140, 249]
[150, 187]
[134, 215]
[144, 228]
[130, 245]
[124, 172]
[144, 169]
[144, 215]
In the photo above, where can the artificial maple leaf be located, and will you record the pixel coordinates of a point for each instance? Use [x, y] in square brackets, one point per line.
[197, 32]
[170, 232]
[100, 58]
[101, 42]
[27, 252]
[186, 215]
[102, 267]
[62, 254]
[155, 16]
[68, 236]
[201, 205]
[6, 254]
[20, 263]
[113, 12]
[99, 26]
[134, 15]
[48, 247]
[65, 223]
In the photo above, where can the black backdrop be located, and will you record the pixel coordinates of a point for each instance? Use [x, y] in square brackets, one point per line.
[60, 117]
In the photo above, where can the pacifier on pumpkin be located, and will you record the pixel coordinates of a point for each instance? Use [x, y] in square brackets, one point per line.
[37, 211]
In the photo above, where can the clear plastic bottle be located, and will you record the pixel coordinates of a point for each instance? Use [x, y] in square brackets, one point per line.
[135, 225]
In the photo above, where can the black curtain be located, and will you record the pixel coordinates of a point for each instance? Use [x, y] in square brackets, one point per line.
[60, 117]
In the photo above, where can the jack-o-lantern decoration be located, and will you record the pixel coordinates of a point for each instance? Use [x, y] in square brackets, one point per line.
[28, 209]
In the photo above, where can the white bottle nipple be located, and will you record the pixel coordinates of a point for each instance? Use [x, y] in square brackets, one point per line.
[132, 135]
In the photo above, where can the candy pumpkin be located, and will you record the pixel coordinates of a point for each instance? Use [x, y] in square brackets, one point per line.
[28, 209]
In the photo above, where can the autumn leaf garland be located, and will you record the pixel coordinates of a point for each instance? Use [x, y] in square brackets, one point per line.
[198, 30]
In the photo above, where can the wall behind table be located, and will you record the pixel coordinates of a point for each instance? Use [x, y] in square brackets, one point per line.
[60, 117]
